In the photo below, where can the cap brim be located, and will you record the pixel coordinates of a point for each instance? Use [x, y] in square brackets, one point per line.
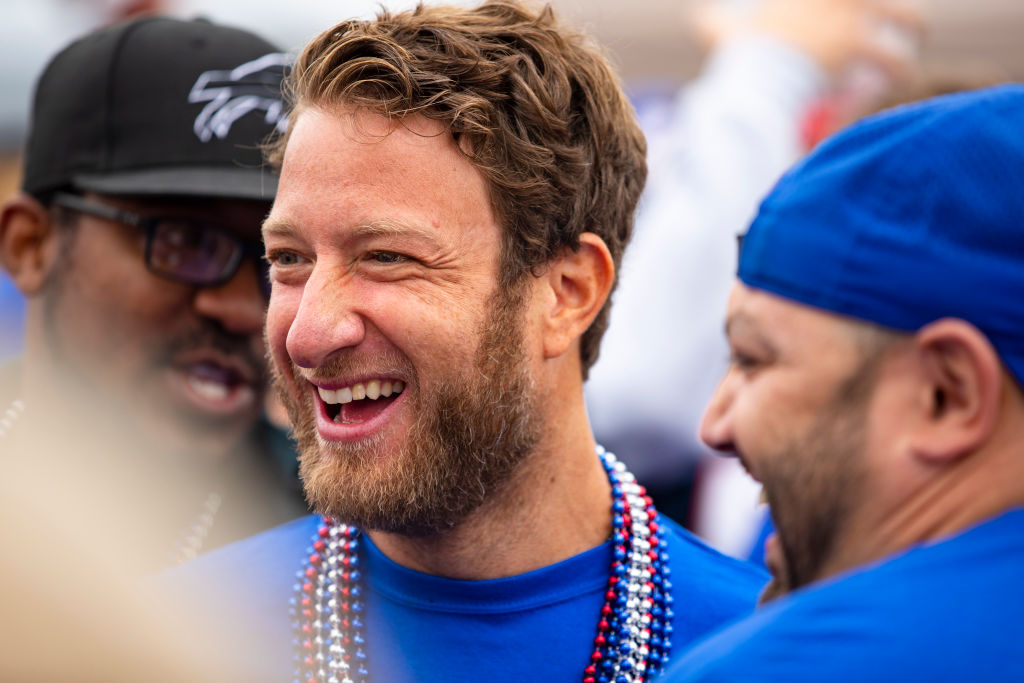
[221, 183]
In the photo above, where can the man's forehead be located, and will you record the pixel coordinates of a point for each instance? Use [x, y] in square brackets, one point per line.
[367, 126]
[276, 226]
[767, 314]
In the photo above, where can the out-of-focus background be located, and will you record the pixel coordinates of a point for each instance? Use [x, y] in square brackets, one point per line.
[651, 41]
[648, 37]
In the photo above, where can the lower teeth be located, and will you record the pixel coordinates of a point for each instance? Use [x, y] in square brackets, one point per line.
[214, 391]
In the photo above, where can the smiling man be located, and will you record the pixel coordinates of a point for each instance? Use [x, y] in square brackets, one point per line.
[876, 391]
[136, 243]
[457, 188]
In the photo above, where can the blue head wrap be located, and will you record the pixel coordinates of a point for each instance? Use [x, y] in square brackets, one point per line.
[910, 216]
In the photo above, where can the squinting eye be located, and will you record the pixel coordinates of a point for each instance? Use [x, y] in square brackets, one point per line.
[283, 258]
[388, 257]
[742, 361]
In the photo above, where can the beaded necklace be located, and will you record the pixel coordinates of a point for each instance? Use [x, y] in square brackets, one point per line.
[11, 416]
[634, 627]
[194, 536]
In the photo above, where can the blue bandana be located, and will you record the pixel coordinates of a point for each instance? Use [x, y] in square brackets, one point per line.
[910, 216]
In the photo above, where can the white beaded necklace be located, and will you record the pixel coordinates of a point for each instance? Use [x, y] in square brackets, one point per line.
[194, 536]
[10, 417]
[634, 628]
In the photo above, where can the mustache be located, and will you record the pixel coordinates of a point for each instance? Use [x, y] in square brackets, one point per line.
[209, 334]
[350, 365]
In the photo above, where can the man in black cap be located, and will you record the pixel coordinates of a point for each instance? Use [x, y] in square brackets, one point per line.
[136, 244]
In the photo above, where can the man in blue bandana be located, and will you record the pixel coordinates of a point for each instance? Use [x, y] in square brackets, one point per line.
[876, 391]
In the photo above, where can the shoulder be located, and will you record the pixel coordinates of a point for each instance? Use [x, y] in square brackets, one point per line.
[699, 555]
[818, 634]
[709, 588]
[691, 556]
[251, 576]
[239, 597]
[942, 613]
[267, 554]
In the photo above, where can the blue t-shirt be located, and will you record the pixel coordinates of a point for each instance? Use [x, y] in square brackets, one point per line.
[12, 317]
[535, 626]
[949, 611]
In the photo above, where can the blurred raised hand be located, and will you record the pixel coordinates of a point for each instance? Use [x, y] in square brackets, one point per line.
[837, 34]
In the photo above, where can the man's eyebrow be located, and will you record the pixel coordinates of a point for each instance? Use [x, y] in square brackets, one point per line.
[277, 228]
[741, 322]
[394, 228]
[385, 228]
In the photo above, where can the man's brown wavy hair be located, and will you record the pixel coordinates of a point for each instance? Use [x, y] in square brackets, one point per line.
[532, 103]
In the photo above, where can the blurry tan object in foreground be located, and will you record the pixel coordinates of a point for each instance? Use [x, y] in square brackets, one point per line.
[70, 612]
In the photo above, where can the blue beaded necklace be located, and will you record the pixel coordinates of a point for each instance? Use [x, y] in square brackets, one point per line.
[634, 630]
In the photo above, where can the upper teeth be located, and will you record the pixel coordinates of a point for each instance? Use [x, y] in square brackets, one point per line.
[373, 389]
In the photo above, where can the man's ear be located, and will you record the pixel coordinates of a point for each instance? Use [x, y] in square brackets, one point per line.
[961, 393]
[29, 243]
[577, 284]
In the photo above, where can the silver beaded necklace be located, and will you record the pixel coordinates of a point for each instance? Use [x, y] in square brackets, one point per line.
[633, 639]
[10, 417]
[194, 536]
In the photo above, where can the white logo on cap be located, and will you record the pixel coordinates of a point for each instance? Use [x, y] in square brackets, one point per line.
[233, 94]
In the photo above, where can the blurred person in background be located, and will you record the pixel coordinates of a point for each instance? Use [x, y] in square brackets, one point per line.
[725, 141]
[136, 244]
[31, 31]
[457, 187]
[877, 390]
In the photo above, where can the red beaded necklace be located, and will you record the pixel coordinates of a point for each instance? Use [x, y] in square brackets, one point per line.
[633, 632]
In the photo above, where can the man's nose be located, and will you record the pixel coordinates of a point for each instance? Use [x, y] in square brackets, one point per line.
[238, 304]
[716, 428]
[327, 320]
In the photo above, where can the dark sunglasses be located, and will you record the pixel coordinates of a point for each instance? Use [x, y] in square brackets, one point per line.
[181, 249]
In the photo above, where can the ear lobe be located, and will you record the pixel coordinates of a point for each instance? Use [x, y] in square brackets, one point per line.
[579, 283]
[28, 243]
[964, 384]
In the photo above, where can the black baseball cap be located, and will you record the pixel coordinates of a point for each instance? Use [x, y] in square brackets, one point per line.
[158, 106]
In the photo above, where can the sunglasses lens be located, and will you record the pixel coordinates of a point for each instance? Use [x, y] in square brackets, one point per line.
[192, 253]
[263, 271]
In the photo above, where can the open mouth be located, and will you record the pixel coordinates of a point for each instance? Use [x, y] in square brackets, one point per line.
[214, 382]
[213, 386]
[360, 402]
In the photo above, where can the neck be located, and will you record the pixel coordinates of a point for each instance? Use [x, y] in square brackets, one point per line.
[956, 497]
[556, 505]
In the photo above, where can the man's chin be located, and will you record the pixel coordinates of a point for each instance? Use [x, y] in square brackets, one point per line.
[391, 504]
[773, 590]
[775, 559]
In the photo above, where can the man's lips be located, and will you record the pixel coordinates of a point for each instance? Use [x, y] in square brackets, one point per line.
[215, 383]
[218, 366]
[353, 409]
[745, 463]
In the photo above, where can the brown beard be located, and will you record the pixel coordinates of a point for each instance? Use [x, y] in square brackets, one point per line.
[818, 481]
[471, 433]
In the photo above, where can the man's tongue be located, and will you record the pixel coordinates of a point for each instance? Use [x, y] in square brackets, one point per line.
[362, 410]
